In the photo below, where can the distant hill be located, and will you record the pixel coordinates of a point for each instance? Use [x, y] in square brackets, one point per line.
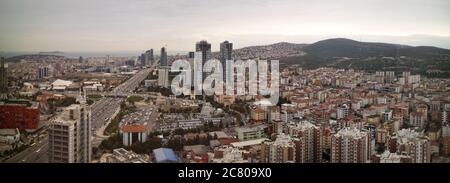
[341, 47]
[35, 57]
[347, 53]
[51, 53]
[272, 51]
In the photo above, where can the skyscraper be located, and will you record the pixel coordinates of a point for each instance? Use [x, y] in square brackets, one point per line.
[205, 48]
[150, 57]
[163, 57]
[143, 58]
[226, 50]
[147, 58]
[3, 79]
[80, 59]
[191, 55]
[69, 135]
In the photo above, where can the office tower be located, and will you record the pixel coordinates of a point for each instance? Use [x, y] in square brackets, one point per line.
[309, 145]
[143, 58]
[3, 79]
[350, 145]
[163, 57]
[226, 50]
[69, 135]
[282, 150]
[191, 55]
[163, 77]
[150, 57]
[205, 48]
[411, 143]
[43, 72]
[80, 59]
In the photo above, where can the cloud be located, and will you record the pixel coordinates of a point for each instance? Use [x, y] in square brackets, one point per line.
[101, 25]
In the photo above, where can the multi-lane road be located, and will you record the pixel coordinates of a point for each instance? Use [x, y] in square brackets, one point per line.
[104, 109]
[34, 154]
[102, 112]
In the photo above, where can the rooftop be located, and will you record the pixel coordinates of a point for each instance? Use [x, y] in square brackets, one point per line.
[165, 155]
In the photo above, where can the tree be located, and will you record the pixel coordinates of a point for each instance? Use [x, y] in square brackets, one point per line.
[197, 139]
[176, 144]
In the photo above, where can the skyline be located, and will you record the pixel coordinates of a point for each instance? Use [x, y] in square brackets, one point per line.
[113, 26]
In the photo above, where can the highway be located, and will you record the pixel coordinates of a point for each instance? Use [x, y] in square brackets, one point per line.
[34, 154]
[104, 109]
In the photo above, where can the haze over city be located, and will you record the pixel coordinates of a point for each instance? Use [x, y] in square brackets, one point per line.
[111, 25]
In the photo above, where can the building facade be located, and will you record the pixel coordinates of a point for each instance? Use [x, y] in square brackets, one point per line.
[70, 135]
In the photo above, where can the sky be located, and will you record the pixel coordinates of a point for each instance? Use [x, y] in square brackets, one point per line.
[119, 25]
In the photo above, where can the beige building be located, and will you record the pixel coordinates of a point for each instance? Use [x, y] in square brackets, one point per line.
[350, 145]
[310, 144]
[69, 135]
[282, 150]
[250, 133]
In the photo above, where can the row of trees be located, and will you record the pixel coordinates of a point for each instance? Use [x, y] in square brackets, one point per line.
[164, 91]
[113, 127]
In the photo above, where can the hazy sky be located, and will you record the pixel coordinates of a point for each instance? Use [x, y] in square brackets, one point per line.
[119, 25]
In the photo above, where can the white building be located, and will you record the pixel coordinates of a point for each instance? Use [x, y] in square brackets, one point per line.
[163, 77]
[9, 136]
[70, 135]
[250, 133]
[351, 145]
[412, 143]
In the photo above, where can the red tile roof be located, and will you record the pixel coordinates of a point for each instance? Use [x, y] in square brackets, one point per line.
[134, 128]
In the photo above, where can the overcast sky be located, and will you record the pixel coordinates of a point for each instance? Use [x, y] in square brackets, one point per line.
[119, 25]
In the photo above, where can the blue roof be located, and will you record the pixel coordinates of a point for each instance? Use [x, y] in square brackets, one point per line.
[165, 155]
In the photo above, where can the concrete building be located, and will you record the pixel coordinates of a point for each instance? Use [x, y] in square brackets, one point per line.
[228, 154]
[21, 114]
[388, 157]
[250, 133]
[205, 48]
[43, 72]
[417, 119]
[342, 111]
[3, 79]
[132, 133]
[9, 136]
[282, 150]
[123, 156]
[258, 114]
[163, 57]
[226, 51]
[350, 145]
[70, 135]
[163, 77]
[412, 143]
[310, 141]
